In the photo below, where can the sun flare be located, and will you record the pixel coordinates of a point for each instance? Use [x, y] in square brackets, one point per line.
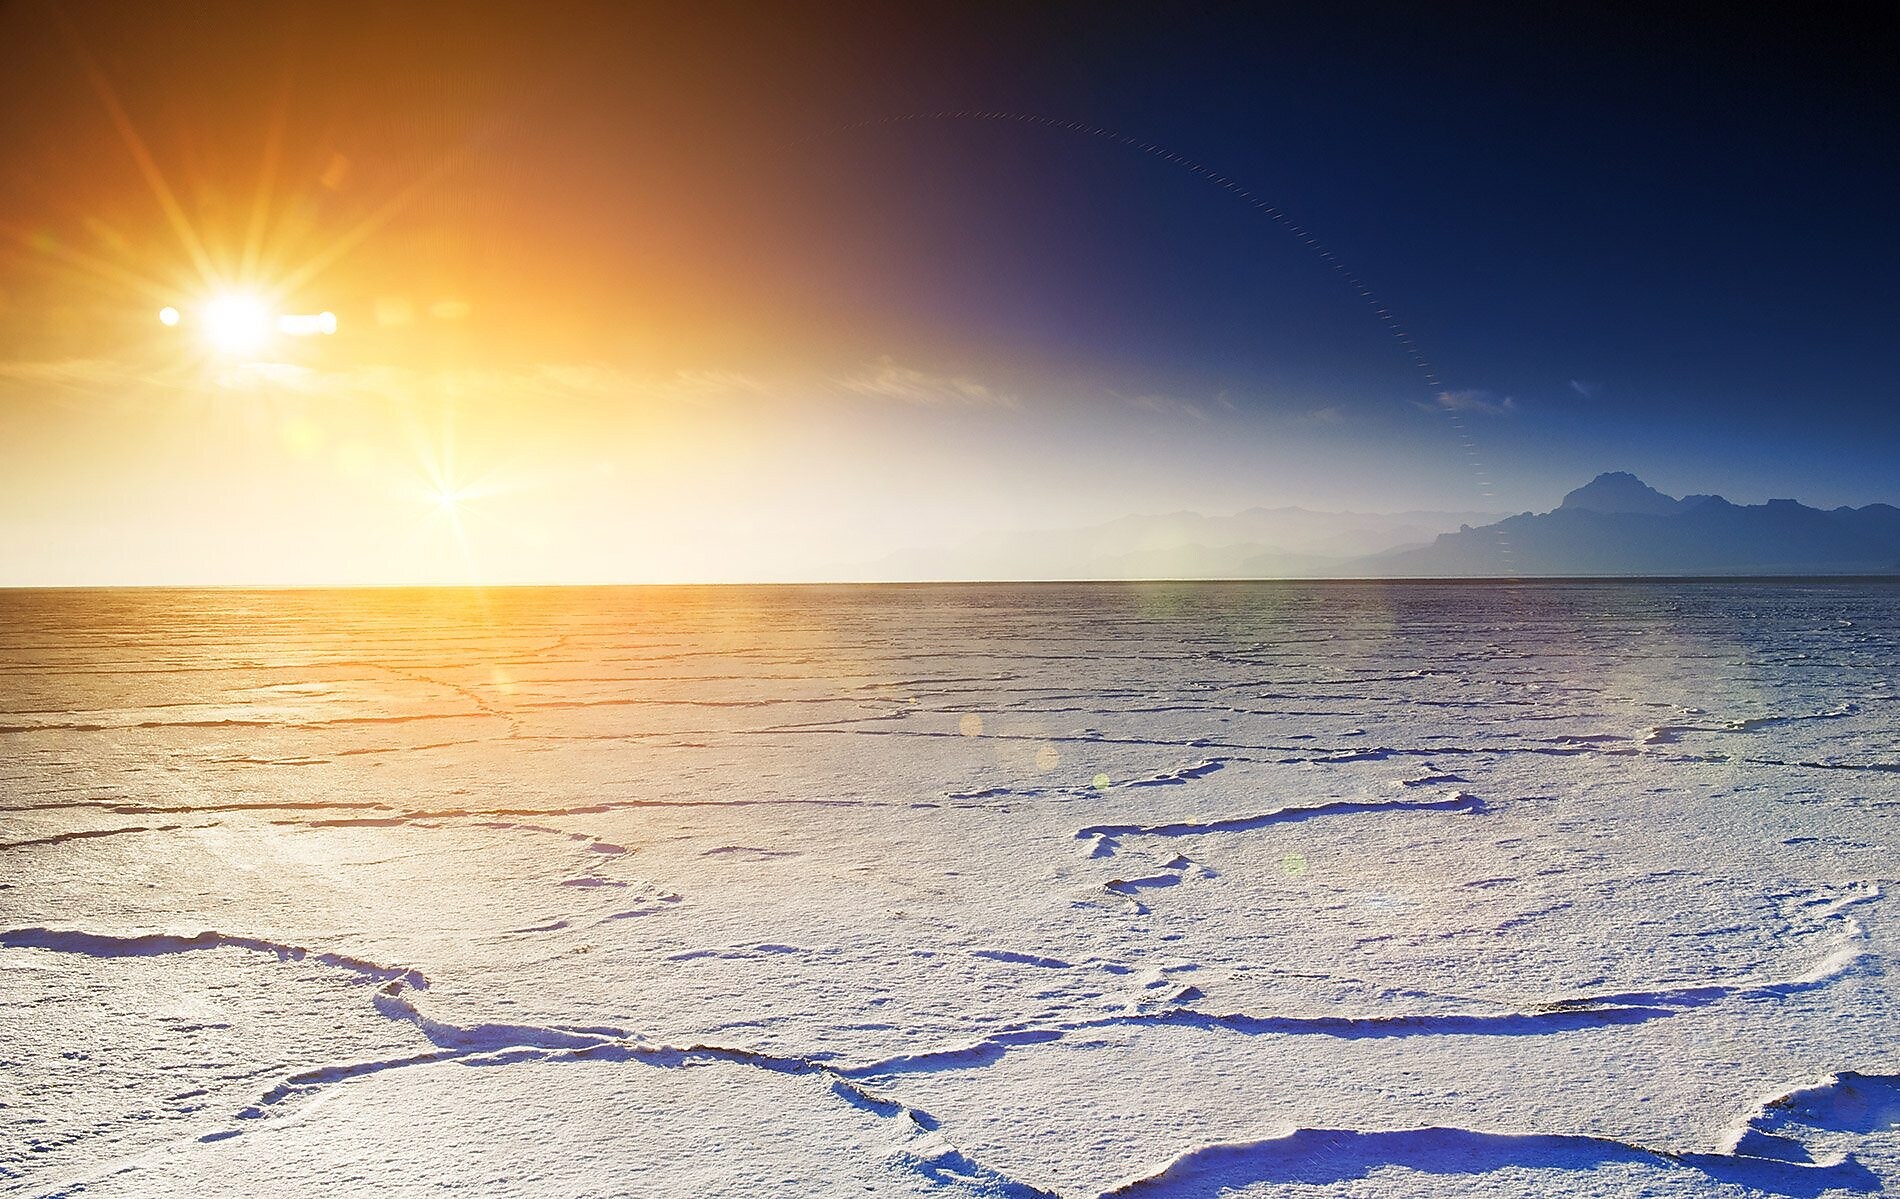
[237, 323]
[242, 324]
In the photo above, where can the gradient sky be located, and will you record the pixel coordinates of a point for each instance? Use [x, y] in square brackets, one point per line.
[653, 296]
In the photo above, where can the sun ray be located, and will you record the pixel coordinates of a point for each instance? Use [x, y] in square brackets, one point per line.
[99, 269]
[261, 202]
[142, 156]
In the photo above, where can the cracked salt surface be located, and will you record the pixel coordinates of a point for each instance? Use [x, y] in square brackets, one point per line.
[1138, 890]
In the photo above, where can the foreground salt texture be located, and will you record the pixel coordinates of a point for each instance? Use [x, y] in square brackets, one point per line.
[1160, 891]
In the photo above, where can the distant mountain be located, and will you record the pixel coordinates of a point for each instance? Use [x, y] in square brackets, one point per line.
[1256, 543]
[1621, 492]
[1613, 525]
[1618, 525]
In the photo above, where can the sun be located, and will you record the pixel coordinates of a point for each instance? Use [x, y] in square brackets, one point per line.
[243, 324]
[236, 323]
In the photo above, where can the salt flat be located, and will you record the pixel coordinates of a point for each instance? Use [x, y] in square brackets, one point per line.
[1158, 890]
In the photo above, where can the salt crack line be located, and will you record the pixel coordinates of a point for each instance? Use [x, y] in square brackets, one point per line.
[1847, 1101]
[1299, 1155]
[85, 835]
[1534, 1022]
[1565, 1014]
[1107, 837]
[929, 1153]
[107, 945]
[1851, 956]
[1330, 1155]
[1171, 778]
[1669, 734]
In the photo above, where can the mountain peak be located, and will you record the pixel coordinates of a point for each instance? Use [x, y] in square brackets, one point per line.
[1620, 491]
[1617, 525]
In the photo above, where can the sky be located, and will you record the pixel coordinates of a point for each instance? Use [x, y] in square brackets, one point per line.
[630, 294]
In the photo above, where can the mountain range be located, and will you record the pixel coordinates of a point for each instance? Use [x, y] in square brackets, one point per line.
[1615, 525]
[1618, 525]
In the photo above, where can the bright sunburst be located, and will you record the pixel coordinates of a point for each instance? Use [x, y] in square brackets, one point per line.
[237, 323]
[241, 323]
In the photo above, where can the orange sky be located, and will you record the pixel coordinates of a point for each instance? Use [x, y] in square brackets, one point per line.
[607, 311]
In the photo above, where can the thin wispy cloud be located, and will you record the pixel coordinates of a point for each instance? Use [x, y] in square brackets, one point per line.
[1587, 390]
[884, 379]
[1482, 403]
[887, 379]
[1164, 405]
[68, 372]
[601, 381]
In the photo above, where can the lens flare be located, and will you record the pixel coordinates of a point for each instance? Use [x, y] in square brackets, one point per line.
[307, 324]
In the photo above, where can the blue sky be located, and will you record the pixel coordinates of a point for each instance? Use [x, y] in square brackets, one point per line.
[1667, 241]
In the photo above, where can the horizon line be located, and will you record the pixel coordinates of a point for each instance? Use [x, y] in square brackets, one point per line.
[1892, 576]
